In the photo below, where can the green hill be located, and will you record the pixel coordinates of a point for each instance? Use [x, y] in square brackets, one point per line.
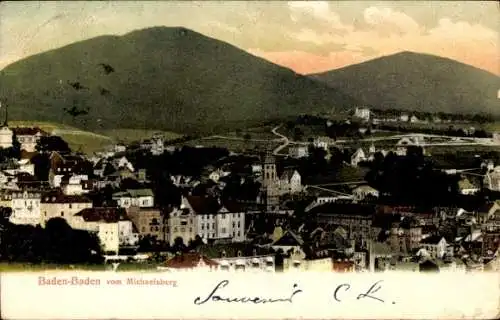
[413, 81]
[170, 79]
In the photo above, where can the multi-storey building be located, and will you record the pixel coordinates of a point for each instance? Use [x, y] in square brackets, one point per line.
[25, 207]
[58, 205]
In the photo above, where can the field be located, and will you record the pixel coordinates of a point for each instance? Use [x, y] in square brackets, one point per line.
[90, 142]
[493, 127]
[260, 133]
[233, 145]
[131, 135]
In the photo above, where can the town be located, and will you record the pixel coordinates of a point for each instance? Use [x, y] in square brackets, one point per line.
[363, 191]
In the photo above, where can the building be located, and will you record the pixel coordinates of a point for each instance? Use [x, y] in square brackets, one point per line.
[143, 198]
[414, 119]
[298, 151]
[356, 219]
[29, 137]
[496, 137]
[216, 221]
[150, 222]
[362, 192]
[290, 182]
[357, 157]
[435, 246]
[404, 117]
[239, 257]
[467, 188]
[25, 207]
[290, 244]
[112, 225]
[362, 113]
[57, 205]
[6, 137]
[189, 262]
[492, 179]
[323, 142]
[270, 183]
[182, 223]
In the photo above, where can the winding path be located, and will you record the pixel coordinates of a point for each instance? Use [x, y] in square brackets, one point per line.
[283, 138]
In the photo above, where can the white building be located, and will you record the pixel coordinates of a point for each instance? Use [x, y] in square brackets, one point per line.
[25, 208]
[404, 117]
[323, 142]
[298, 151]
[496, 138]
[123, 162]
[361, 192]
[357, 157]
[6, 136]
[290, 182]
[362, 113]
[74, 185]
[143, 198]
[56, 205]
[215, 221]
[435, 246]
[112, 226]
[28, 137]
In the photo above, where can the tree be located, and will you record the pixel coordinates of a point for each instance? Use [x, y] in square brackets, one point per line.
[179, 245]
[52, 143]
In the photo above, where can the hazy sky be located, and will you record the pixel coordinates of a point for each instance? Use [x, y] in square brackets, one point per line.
[306, 36]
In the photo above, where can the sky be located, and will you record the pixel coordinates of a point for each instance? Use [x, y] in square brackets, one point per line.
[305, 36]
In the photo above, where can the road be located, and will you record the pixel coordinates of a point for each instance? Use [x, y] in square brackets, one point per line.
[284, 139]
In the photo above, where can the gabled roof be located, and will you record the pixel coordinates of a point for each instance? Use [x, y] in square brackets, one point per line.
[190, 260]
[288, 174]
[289, 239]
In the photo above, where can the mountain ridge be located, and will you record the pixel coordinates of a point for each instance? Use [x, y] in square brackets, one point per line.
[411, 80]
[163, 78]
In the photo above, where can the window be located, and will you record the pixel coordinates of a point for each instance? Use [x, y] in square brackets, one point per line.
[202, 226]
[234, 224]
[62, 213]
[175, 229]
[213, 225]
[70, 206]
[238, 224]
[223, 230]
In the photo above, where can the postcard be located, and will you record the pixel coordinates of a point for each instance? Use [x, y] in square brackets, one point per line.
[249, 160]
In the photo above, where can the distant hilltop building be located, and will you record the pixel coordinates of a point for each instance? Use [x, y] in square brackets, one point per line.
[362, 113]
[496, 137]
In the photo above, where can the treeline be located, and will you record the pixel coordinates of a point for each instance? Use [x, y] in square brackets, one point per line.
[450, 131]
[56, 243]
[477, 118]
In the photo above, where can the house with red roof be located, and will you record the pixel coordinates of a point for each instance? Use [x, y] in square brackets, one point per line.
[190, 261]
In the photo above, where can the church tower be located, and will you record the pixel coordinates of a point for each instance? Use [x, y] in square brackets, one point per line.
[270, 182]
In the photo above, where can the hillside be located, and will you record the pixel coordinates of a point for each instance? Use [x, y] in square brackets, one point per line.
[414, 81]
[158, 78]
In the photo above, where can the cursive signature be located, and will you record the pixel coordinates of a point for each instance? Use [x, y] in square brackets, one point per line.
[215, 296]
[368, 294]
